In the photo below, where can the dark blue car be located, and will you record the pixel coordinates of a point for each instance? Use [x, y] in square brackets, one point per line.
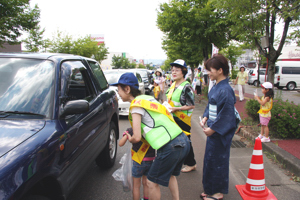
[57, 116]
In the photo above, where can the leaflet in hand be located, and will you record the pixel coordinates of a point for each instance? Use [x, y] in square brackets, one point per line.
[255, 92]
[167, 105]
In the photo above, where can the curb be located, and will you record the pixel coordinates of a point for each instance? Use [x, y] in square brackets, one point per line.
[290, 162]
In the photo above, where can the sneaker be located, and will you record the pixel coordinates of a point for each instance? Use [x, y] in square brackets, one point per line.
[260, 136]
[265, 139]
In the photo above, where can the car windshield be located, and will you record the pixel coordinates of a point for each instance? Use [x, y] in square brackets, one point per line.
[112, 76]
[26, 86]
[143, 73]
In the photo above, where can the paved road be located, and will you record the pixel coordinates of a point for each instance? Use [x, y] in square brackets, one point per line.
[99, 184]
[293, 95]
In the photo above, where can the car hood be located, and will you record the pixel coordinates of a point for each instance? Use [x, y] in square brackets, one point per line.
[14, 132]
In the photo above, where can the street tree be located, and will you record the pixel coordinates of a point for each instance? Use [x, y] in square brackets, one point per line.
[190, 28]
[254, 19]
[117, 62]
[83, 46]
[16, 17]
[232, 53]
[141, 66]
[101, 53]
[34, 42]
[120, 62]
[61, 43]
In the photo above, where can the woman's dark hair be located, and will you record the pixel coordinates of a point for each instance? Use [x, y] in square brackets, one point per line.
[133, 91]
[270, 94]
[217, 62]
[241, 68]
[183, 69]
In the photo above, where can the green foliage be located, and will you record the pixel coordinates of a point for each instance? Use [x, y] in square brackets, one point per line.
[234, 73]
[253, 19]
[101, 53]
[232, 53]
[141, 66]
[83, 46]
[285, 120]
[190, 27]
[16, 17]
[34, 42]
[119, 62]
[252, 106]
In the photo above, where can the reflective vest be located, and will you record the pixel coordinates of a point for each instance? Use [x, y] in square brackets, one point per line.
[164, 127]
[266, 109]
[174, 100]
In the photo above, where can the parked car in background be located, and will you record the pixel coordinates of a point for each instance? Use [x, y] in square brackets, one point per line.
[287, 74]
[53, 123]
[252, 76]
[113, 76]
[146, 77]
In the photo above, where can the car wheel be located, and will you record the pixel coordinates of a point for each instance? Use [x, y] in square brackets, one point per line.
[255, 83]
[36, 197]
[291, 86]
[107, 157]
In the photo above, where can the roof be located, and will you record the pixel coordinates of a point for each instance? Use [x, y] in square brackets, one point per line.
[38, 55]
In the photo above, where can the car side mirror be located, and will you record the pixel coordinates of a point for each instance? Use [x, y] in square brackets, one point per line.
[75, 107]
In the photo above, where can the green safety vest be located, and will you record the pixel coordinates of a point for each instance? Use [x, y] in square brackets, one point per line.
[164, 129]
[176, 98]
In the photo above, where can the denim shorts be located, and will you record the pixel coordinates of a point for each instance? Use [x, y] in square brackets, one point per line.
[169, 160]
[138, 170]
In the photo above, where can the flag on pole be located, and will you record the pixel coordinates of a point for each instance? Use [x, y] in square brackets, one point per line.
[215, 50]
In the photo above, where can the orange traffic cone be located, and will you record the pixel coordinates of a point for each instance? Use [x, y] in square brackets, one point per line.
[255, 188]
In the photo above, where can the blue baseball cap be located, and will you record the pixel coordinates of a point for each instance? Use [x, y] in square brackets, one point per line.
[179, 62]
[129, 79]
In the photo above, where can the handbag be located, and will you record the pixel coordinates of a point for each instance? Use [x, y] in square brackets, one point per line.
[237, 117]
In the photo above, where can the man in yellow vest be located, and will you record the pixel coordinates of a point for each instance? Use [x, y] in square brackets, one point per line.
[181, 97]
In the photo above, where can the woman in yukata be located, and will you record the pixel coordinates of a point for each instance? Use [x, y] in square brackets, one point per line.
[221, 125]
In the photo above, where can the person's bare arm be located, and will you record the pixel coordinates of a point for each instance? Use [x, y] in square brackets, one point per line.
[136, 126]
[123, 140]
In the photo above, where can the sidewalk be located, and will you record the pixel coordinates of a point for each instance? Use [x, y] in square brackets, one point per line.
[286, 152]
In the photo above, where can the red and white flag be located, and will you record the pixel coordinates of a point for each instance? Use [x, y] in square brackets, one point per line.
[215, 50]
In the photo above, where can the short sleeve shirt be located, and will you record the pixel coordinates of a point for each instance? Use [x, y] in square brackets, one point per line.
[242, 78]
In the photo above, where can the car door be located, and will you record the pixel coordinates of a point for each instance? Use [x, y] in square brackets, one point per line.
[141, 83]
[262, 76]
[80, 130]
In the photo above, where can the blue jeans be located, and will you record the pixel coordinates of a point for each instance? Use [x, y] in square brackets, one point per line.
[169, 160]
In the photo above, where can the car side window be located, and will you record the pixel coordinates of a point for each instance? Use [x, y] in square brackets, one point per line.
[75, 82]
[262, 72]
[139, 77]
[98, 74]
[290, 70]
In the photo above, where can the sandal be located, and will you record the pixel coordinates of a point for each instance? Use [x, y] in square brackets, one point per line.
[214, 198]
[202, 195]
[188, 168]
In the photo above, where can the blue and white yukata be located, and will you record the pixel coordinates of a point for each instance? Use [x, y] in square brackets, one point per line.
[221, 119]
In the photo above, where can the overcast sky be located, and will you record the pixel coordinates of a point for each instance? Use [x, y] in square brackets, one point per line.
[128, 25]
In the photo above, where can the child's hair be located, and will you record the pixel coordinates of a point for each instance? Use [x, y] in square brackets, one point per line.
[133, 91]
[183, 69]
[217, 62]
[270, 94]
